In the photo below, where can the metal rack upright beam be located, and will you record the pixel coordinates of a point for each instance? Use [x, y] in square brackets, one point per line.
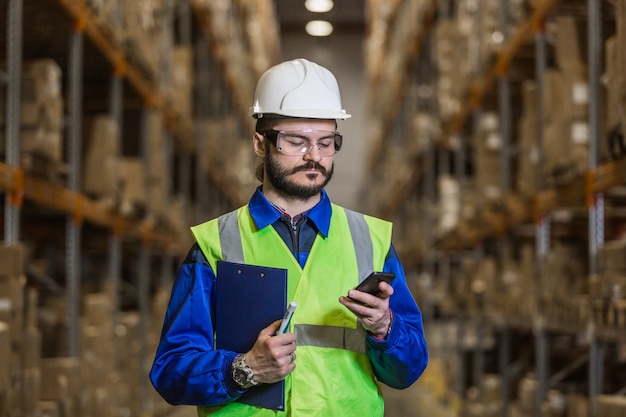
[13, 116]
[542, 228]
[143, 300]
[74, 156]
[595, 201]
[504, 111]
[144, 265]
[504, 108]
[116, 111]
[185, 156]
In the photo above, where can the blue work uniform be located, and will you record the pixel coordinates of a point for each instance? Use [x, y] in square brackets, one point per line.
[188, 370]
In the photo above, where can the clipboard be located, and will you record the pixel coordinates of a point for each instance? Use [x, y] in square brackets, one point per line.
[248, 299]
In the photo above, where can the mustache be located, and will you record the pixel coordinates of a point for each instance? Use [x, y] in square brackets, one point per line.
[309, 166]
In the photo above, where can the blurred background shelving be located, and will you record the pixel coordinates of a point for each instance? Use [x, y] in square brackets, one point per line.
[490, 132]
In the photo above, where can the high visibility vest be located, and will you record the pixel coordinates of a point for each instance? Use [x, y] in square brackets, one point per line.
[333, 375]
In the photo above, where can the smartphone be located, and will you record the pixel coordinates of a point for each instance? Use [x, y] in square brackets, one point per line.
[284, 324]
[370, 284]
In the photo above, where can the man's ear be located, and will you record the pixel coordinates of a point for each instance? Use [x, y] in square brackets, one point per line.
[259, 143]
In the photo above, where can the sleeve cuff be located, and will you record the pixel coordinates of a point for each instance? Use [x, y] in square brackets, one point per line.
[231, 386]
[378, 339]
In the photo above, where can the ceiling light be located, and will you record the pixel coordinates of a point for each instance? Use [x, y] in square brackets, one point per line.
[319, 28]
[318, 6]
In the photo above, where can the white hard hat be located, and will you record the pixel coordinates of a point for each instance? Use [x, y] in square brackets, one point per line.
[298, 88]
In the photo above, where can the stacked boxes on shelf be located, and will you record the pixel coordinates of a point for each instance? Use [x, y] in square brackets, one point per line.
[235, 41]
[488, 147]
[507, 290]
[41, 119]
[108, 377]
[157, 176]
[98, 359]
[486, 402]
[453, 78]
[102, 180]
[565, 113]
[563, 288]
[182, 81]
[120, 182]
[61, 385]
[107, 15]
[31, 355]
[465, 44]
[526, 180]
[148, 41]
[615, 86]
[608, 288]
[611, 405]
[18, 385]
[222, 137]
[393, 37]
[140, 29]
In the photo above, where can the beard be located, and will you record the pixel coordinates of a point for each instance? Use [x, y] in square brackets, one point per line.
[278, 176]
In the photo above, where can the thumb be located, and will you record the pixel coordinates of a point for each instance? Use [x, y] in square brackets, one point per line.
[271, 329]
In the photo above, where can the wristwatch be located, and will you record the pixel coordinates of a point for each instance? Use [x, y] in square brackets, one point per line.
[242, 373]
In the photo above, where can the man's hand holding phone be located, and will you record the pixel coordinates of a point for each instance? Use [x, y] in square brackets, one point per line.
[370, 284]
[372, 305]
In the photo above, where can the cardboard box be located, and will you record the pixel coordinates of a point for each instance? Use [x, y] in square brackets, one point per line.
[553, 94]
[97, 308]
[611, 255]
[570, 45]
[31, 307]
[5, 350]
[133, 181]
[611, 405]
[98, 342]
[60, 378]
[48, 409]
[42, 141]
[12, 306]
[102, 161]
[40, 94]
[182, 63]
[31, 390]
[31, 348]
[11, 259]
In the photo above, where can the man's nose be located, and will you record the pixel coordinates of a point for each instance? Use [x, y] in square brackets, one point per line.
[313, 153]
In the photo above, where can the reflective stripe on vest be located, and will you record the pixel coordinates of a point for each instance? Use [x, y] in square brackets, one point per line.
[330, 337]
[230, 238]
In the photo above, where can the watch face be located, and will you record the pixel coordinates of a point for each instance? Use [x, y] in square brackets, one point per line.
[242, 374]
[240, 377]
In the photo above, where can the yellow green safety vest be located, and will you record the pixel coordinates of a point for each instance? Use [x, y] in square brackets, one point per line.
[333, 375]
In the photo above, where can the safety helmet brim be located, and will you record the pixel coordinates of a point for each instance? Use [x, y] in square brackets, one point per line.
[298, 88]
[300, 114]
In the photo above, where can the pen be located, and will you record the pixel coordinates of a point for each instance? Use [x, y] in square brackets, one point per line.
[284, 324]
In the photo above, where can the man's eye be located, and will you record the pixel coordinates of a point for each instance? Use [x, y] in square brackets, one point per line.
[325, 144]
[295, 142]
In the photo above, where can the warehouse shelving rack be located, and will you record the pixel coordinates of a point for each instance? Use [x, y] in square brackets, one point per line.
[126, 79]
[477, 90]
[498, 225]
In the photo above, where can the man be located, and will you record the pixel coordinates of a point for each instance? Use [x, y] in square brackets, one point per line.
[339, 348]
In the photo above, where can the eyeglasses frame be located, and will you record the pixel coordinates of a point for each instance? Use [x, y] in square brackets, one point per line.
[272, 137]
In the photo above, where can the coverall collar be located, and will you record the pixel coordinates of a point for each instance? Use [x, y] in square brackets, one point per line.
[264, 213]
